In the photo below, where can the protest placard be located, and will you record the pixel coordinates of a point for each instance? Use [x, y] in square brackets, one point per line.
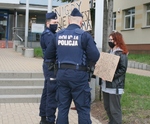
[63, 12]
[106, 66]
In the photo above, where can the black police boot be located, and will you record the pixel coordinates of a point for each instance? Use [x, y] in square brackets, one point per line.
[43, 120]
[50, 123]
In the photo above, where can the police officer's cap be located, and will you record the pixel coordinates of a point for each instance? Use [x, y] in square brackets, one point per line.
[76, 12]
[51, 15]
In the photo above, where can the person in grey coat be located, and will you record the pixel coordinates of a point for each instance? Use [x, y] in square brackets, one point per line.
[112, 91]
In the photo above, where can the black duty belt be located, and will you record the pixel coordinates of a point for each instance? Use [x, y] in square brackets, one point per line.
[71, 66]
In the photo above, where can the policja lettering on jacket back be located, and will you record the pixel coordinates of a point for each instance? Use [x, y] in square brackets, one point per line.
[68, 40]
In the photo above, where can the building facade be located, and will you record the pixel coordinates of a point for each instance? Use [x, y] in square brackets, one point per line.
[12, 16]
[132, 19]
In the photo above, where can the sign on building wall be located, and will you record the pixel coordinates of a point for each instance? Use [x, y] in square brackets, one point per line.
[64, 11]
[10, 1]
[37, 28]
[43, 2]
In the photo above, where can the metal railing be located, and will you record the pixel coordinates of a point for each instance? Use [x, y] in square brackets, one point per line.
[19, 34]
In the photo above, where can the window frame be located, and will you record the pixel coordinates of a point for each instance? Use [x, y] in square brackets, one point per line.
[114, 21]
[147, 11]
[131, 15]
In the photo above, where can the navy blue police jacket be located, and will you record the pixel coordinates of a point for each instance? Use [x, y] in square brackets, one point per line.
[46, 37]
[73, 46]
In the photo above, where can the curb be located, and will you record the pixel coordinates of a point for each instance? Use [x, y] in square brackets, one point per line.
[138, 65]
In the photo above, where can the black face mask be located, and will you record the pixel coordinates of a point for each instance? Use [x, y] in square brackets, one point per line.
[111, 44]
[53, 27]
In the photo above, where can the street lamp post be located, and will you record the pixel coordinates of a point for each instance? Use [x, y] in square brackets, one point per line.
[99, 23]
[99, 28]
[26, 23]
[49, 8]
[98, 38]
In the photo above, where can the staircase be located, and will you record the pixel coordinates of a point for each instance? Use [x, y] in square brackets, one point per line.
[21, 87]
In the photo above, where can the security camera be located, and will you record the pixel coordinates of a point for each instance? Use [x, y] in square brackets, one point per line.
[119, 10]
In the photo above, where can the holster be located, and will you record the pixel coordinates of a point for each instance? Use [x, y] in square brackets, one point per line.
[51, 66]
[91, 71]
[55, 68]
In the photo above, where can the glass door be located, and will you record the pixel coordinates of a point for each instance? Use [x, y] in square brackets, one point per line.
[3, 27]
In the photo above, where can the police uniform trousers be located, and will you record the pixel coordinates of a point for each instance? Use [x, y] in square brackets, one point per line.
[48, 103]
[73, 85]
[113, 107]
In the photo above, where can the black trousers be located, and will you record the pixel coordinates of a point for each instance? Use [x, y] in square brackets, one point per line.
[113, 107]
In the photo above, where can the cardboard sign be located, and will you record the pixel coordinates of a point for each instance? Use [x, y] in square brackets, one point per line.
[106, 66]
[63, 13]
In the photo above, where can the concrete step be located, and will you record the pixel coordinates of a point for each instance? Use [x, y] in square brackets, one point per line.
[21, 87]
[20, 98]
[20, 90]
[21, 81]
[20, 75]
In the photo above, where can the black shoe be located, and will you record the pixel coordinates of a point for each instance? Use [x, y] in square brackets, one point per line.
[50, 123]
[44, 122]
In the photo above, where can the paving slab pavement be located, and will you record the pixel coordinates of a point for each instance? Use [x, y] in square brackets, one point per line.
[11, 61]
[138, 72]
[24, 113]
[27, 113]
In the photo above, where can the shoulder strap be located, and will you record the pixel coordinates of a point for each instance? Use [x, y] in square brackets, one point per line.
[46, 32]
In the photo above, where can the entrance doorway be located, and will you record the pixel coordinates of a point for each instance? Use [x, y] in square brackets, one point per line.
[3, 28]
[3, 25]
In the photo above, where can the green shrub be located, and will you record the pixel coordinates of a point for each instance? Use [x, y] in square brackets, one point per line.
[38, 52]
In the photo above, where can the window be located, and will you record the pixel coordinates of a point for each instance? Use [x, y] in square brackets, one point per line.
[129, 18]
[148, 15]
[114, 21]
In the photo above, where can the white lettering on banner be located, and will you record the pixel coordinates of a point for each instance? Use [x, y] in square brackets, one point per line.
[64, 11]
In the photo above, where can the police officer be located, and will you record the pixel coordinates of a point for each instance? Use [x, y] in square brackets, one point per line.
[75, 49]
[48, 103]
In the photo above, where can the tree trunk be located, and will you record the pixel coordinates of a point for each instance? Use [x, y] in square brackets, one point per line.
[110, 16]
[105, 35]
[108, 22]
